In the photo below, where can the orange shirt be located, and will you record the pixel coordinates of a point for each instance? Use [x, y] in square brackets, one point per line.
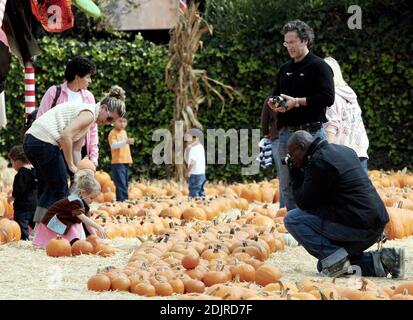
[122, 154]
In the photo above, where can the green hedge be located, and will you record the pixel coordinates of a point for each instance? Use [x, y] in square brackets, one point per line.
[245, 52]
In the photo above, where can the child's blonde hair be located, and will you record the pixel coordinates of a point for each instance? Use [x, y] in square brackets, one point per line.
[87, 182]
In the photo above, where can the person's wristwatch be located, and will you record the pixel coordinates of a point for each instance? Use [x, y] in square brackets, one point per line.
[297, 104]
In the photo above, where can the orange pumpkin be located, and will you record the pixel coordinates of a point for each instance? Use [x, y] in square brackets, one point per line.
[190, 261]
[267, 274]
[143, 289]
[99, 282]
[104, 250]
[109, 196]
[86, 164]
[193, 285]
[102, 177]
[82, 247]
[403, 287]
[194, 213]
[120, 282]
[59, 247]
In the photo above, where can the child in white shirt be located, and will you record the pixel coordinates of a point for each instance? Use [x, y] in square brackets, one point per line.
[196, 166]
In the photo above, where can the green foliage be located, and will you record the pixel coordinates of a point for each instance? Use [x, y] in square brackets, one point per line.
[244, 52]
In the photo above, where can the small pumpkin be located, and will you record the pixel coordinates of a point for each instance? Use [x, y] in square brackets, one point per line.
[104, 250]
[190, 261]
[143, 289]
[194, 286]
[120, 282]
[99, 282]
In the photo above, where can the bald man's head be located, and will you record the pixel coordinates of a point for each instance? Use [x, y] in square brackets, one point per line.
[298, 145]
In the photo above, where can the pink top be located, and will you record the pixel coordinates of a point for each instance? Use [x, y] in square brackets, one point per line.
[3, 37]
[92, 138]
[345, 122]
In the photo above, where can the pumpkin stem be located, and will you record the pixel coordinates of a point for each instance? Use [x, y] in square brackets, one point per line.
[322, 295]
[364, 285]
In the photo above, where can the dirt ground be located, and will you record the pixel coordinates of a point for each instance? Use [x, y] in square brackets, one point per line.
[27, 273]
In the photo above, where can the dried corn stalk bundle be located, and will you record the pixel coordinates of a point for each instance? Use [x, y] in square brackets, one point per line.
[183, 79]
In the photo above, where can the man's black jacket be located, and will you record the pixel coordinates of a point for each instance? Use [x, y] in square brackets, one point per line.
[334, 186]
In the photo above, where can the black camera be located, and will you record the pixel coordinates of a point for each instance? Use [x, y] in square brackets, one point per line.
[281, 101]
[287, 161]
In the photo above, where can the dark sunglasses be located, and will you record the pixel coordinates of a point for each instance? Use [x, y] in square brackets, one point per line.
[109, 119]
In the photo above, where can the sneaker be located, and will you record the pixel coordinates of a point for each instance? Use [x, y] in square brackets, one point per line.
[339, 269]
[393, 261]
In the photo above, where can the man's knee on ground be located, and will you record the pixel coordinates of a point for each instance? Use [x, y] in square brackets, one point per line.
[291, 218]
[290, 223]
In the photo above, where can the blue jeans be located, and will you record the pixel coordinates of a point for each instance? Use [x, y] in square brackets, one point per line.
[120, 178]
[284, 174]
[50, 170]
[322, 238]
[196, 185]
[24, 220]
[277, 165]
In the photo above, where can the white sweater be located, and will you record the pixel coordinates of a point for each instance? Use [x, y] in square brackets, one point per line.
[49, 127]
[345, 122]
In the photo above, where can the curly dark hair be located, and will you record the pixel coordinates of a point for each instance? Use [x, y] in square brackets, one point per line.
[304, 31]
[17, 153]
[79, 66]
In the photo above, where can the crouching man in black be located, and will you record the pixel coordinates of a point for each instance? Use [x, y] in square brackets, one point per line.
[339, 213]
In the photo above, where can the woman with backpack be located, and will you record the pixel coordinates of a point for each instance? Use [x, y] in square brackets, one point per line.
[78, 74]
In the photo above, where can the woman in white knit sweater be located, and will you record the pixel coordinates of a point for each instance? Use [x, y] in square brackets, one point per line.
[64, 127]
[345, 124]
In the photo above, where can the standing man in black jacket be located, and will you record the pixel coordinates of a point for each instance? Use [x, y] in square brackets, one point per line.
[307, 87]
[340, 213]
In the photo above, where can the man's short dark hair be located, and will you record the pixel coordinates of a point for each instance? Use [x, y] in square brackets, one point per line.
[304, 31]
[79, 66]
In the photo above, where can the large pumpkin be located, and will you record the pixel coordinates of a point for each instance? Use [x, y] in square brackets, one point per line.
[102, 177]
[11, 229]
[395, 227]
[86, 164]
[267, 274]
[59, 247]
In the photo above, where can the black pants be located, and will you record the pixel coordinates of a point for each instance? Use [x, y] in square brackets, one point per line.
[24, 220]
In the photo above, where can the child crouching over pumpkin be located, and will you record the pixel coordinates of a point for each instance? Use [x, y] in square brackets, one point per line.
[65, 217]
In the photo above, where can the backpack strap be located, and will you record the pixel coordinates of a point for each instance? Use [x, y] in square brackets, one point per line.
[58, 91]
